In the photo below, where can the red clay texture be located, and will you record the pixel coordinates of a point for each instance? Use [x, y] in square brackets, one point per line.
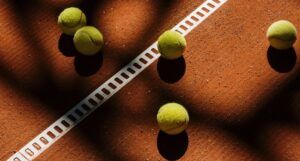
[242, 96]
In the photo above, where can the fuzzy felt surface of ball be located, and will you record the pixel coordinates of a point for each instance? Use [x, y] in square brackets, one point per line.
[71, 19]
[88, 40]
[171, 45]
[282, 34]
[172, 118]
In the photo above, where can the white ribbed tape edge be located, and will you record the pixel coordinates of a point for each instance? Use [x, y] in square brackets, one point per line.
[84, 108]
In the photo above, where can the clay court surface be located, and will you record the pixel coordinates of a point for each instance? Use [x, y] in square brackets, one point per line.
[242, 96]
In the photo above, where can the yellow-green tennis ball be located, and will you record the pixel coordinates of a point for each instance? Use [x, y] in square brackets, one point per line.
[171, 45]
[71, 19]
[172, 118]
[88, 40]
[282, 34]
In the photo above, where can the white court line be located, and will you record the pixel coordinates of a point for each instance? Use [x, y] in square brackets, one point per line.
[84, 108]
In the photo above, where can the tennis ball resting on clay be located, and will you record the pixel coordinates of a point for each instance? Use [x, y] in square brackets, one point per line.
[172, 118]
[171, 45]
[88, 40]
[71, 19]
[282, 34]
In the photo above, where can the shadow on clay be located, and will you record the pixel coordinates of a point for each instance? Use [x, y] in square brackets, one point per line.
[66, 46]
[171, 71]
[172, 147]
[88, 65]
[282, 61]
[84, 65]
[245, 132]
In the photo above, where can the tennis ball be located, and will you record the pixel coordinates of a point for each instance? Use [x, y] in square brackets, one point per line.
[88, 40]
[171, 45]
[282, 34]
[71, 19]
[172, 118]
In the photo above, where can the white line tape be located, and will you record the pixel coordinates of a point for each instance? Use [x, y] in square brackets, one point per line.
[84, 108]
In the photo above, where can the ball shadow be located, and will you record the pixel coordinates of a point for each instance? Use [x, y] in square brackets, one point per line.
[282, 61]
[88, 65]
[172, 147]
[171, 71]
[66, 46]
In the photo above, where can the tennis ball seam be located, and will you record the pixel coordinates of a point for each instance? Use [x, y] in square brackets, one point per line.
[291, 41]
[281, 44]
[178, 126]
[72, 26]
[181, 46]
[94, 42]
[282, 39]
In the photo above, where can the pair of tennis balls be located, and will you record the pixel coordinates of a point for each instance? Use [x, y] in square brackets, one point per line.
[282, 35]
[172, 118]
[88, 40]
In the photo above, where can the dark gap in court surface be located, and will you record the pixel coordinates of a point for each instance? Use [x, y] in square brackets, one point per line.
[282, 61]
[172, 147]
[171, 71]
[88, 65]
